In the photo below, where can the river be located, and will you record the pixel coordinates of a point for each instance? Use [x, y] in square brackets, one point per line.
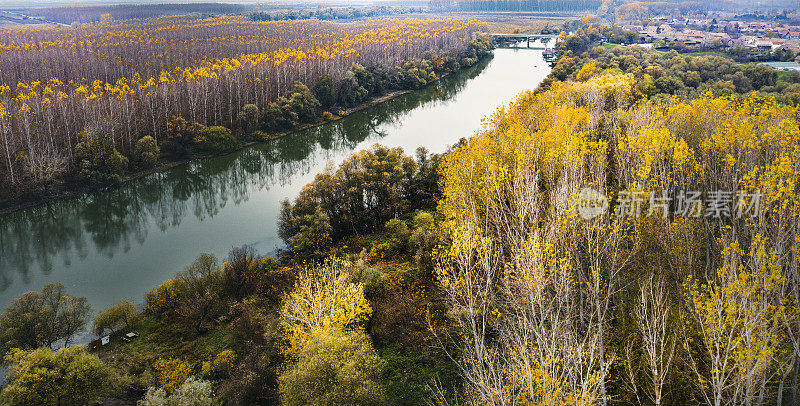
[118, 244]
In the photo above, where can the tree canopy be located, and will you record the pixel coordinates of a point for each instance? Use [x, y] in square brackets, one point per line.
[67, 376]
[43, 318]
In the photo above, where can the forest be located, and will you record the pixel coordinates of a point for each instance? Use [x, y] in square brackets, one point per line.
[91, 14]
[472, 276]
[627, 233]
[72, 115]
[658, 303]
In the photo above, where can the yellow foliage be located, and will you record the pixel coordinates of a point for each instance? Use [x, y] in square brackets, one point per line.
[166, 296]
[587, 71]
[509, 206]
[324, 297]
[171, 373]
[220, 366]
[739, 316]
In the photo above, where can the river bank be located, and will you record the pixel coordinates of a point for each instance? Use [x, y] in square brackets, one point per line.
[71, 189]
[121, 242]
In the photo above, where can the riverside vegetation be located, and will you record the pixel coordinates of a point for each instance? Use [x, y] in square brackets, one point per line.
[470, 277]
[181, 86]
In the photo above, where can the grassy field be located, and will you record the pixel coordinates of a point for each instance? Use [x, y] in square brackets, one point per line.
[526, 23]
[522, 23]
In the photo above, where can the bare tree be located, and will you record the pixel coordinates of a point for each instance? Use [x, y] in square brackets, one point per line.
[653, 318]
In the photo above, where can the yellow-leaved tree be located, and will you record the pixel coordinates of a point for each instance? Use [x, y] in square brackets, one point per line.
[738, 316]
[330, 358]
[535, 283]
[325, 297]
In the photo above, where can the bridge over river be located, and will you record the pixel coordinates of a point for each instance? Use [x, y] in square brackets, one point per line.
[527, 38]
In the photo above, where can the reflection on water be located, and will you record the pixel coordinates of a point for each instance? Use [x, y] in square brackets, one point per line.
[120, 243]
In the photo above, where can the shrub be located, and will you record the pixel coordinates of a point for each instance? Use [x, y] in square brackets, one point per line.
[193, 392]
[308, 235]
[200, 302]
[333, 367]
[349, 92]
[261, 136]
[114, 317]
[181, 135]
[423, 239]
[218, 139]
[368, 189]
[364, 77]
[588, 70]
[324, 91]
[166, 296]
[248, 118]
[255, 380]
[398, 230]
[394, 240]
[171, 373]
[298, 106]
[67, 376]
[37, 319]
[424, 191]
[146, 152]
[154, 397]
[372, 279]
[324, 297]
[98, 164]
[220, 366]
[240, 273]
[413, 77]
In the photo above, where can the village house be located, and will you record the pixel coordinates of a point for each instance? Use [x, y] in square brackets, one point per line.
[764, 45]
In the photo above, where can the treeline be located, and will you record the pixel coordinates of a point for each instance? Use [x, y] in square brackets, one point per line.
[643, 10]
[91, 14]
[331, 13]
[299, 106]
[52, 130]
[664, 74]
[514, 5]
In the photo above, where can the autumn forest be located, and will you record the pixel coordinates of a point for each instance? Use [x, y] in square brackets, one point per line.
[103, 86]
[625, 231]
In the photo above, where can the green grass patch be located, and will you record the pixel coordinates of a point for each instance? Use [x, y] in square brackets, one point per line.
[158, 339]
[408, 375]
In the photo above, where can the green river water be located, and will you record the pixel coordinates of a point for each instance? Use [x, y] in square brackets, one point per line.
[118, 244]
